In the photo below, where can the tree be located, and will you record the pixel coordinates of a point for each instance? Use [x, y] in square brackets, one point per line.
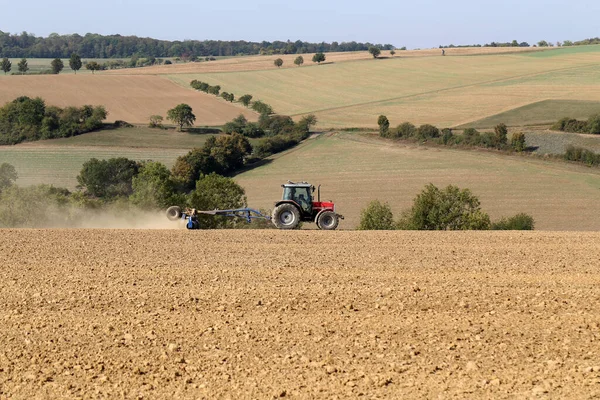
[299, 60]
[517, 141]
[593, 124]
[153, 187]
[542, 43]
[92, 66]
[23, 67]
[6, 65]
[375, 51]
[318, 58]
[384, 125]
[156, 121]
[217, 192]
[306, 122]
[108, 179]
[75, 62]
[427, 131]
[246, 99]
[57, 65]
[8, 176]
[500, 136]
[278, 62]
[376, 216]
[392, 52]
[182, 115]
[447, 209]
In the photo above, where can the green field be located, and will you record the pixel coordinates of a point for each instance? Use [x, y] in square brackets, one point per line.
[539, 113]
[59, 161]
[446, 91]
[355, 169]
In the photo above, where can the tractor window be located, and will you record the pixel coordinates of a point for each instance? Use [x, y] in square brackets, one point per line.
[300, 195]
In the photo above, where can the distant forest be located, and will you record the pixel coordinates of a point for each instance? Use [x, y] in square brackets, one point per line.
[117, 46]
[514, 43]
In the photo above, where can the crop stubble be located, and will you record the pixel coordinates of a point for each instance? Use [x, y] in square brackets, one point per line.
[255, 314]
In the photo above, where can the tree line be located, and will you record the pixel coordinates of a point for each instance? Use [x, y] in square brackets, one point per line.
[27, 119]
[515, 43]
[93, 45]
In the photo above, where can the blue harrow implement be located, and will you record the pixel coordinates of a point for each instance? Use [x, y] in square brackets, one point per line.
[190, 215]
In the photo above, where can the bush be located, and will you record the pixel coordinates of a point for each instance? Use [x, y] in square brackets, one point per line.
[519, 222]
[517, 142]
[384, 125]
[376, 216]
[404, 130]
[156, 121]
[593, 124]
[500, 138]
[262, 108]
[471, 136]
[8, 176]
[447, 136]
[582, 155]
[448, 209]
[236, 125]
[428, 132]
[246, 99]
[34, 206]
[567, 124]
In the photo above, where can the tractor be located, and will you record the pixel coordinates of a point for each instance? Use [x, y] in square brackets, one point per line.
[295, 206]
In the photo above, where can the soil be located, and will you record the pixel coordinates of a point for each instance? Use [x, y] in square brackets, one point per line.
[301, 314]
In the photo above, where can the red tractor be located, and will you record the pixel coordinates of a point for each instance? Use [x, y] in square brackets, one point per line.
[297, 205]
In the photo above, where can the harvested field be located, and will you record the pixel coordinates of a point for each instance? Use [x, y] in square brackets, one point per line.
[263, 314]
[261, 62]
[130, 98]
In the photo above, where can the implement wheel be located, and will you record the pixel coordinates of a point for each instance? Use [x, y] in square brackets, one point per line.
[328, 221]
[174, 213]
[286, 216]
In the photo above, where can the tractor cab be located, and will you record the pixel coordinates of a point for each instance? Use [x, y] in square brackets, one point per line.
[299, 193]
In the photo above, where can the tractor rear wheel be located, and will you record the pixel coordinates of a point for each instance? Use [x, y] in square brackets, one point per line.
[328, 221]
[286, 216]
[173, 213]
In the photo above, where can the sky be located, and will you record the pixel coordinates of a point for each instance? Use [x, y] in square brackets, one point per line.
[415, 24]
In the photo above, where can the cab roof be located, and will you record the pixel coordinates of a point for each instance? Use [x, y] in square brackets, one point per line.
[296, 184]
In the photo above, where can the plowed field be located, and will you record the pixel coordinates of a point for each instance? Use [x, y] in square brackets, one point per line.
[130, 98]
[263, 314]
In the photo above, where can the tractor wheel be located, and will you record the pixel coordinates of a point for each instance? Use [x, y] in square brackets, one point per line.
[173, 213]
[328, 221]
[286, 216]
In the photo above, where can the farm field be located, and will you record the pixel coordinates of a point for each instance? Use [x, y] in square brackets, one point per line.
[59, 161]
[265, 314]
[543, 112]
[130, 98]
[355, 169]
[446, 91]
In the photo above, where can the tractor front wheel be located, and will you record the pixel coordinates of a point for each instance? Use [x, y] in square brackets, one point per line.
[328, 221]
[286, 216]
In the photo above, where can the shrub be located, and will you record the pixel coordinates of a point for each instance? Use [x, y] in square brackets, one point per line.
[153, 187]
[517, 142]
[593, 124]
[156, 121]
[500, 136]
[262, 108]
[236, 125]
[384, 125]
[8, 175]
[567, 124]
[376, 216]
[447, 209]
[427, 131]
[519, 222]
[246, 99]
[581, 155]
[471, 136]
[447, 136]
[404, 130]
